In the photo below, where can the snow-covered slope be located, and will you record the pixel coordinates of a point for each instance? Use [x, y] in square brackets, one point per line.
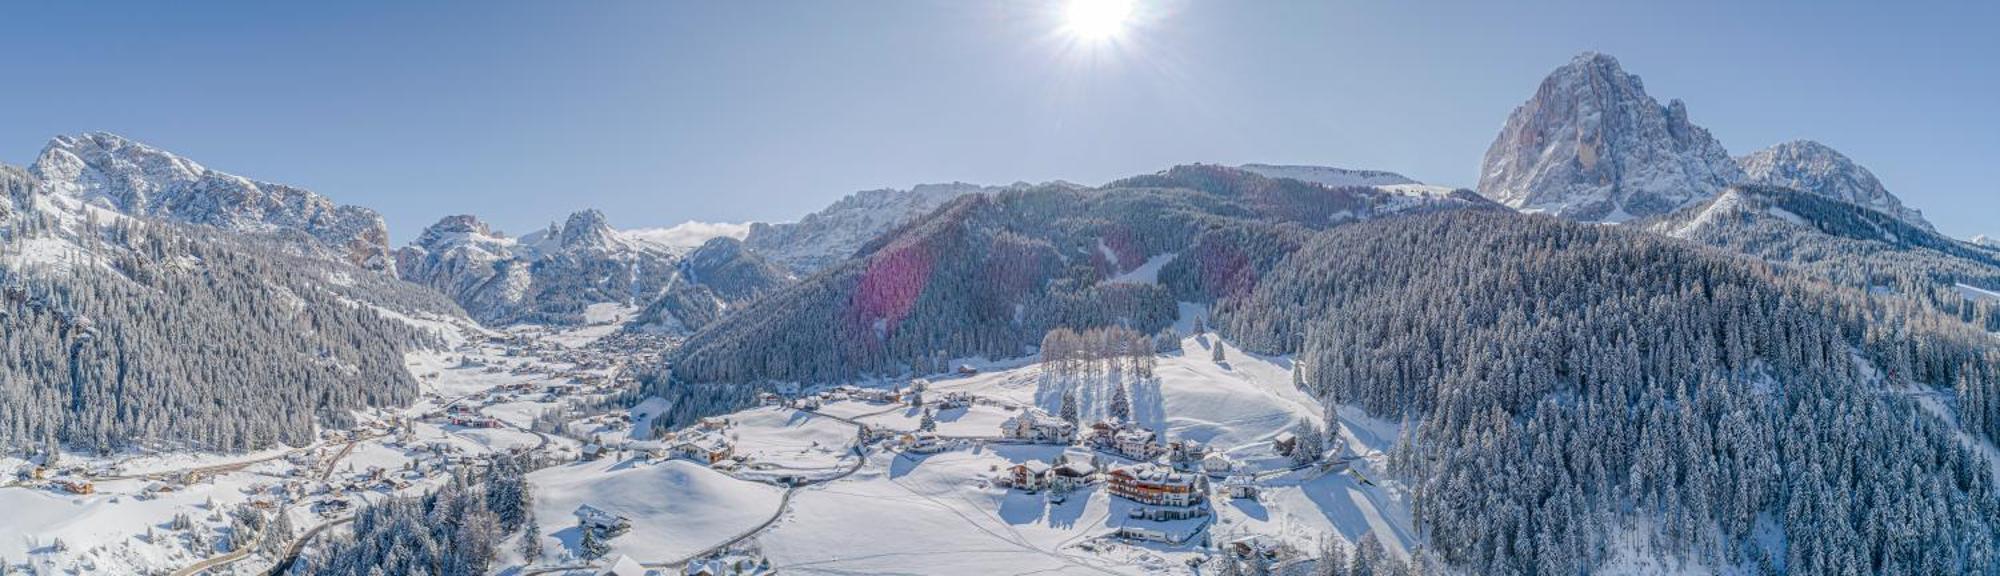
[1812, 167]
[1592, 145]
[1330, 176]
[112, 172]
[1987, 241]
[834, 233]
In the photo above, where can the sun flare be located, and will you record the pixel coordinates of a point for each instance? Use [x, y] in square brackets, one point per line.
[1097, 19]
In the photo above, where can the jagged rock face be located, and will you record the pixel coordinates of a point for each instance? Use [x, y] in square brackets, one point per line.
[552, 276]
[586, 230]
[1592, 145]
[1813, 167]
[835, 233]
[464, 259]
[140, 180]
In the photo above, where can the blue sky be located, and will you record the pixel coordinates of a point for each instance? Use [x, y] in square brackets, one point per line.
[659, 112]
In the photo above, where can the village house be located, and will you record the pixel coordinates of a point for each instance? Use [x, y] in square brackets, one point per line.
[1129, 440]
[1030, 476]
[1156, 485]
[590, 518]
[1255, 546]
[1216, 463]
[875, 395]
[921, 443]
[1034, 426]
[78, 487]
[1186, 453]
[952, 400]
[1071, 475]
[1240, 486]
[1136, 443]
[704, 448]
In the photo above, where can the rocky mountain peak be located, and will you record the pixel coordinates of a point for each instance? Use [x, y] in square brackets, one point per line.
[140, 180]
[1813, 167]
[586, 229]
[454, 230]
[1593, 145]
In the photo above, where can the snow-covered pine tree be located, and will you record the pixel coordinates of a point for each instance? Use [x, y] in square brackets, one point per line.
[1310, 443]
[593, 547]
[1332, 558]
[1121, 402]
[1069, 410]
[531, 541]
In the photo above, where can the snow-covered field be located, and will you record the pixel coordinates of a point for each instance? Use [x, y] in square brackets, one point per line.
[677, 508]
[942, 514]
[791, 440]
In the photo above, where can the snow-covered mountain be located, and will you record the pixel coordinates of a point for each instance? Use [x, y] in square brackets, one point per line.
[1592, 145]
[552, 275]
[1812, 167]
[1987, 241]
[114, 173]
[836, 232]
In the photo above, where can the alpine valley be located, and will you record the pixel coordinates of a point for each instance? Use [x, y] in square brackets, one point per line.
[1625, 351]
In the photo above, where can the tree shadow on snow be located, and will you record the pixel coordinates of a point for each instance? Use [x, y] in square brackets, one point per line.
[1251, 507]
[905, 463]
[571, 538]
[1019, 507]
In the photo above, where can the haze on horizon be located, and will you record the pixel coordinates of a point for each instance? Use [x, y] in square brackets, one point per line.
[659, 113]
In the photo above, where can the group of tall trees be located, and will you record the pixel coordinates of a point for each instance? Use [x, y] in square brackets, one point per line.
[455, 530]
[1096, 351]
[1565, 384]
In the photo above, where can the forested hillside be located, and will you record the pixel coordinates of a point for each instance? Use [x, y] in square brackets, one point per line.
[163, 335]
[1569, 383]
[989, 275]
[1846, 244]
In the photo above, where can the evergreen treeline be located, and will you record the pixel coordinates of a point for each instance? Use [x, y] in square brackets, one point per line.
[163, 337]
[453, 531]
[1565, 383]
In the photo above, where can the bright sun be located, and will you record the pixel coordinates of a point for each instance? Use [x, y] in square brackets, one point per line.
[1097, 19]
